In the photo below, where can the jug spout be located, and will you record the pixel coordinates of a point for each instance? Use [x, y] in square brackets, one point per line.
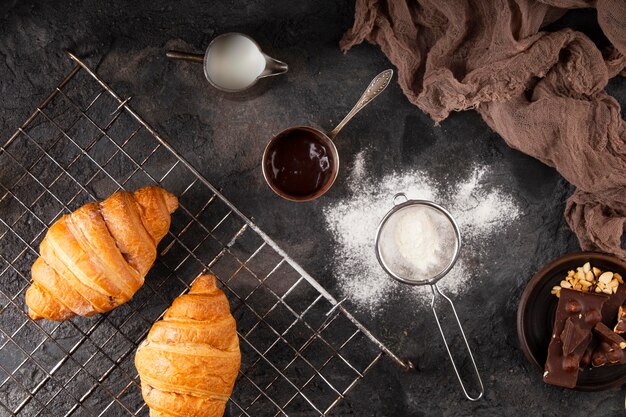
[273, 67]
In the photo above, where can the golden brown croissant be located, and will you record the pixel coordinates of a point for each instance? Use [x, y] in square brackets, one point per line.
[96, 258]
[189, 361]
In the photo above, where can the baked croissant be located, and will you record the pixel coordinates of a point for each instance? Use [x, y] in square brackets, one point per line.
[189, 361]
[96, 258]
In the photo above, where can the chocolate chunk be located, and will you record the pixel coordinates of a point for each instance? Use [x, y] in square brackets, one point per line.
[576, 315]
[620, 327]
[609, 336]
[610, 350]
[608, 354]
[611, 307]
[573, 336]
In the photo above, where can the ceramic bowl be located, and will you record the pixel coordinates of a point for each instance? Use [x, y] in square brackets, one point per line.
[537, 307]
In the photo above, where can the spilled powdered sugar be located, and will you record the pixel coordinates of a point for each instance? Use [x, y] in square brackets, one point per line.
[481, 212]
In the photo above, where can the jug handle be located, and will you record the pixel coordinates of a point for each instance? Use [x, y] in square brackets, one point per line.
[185, 56]
[273, 67]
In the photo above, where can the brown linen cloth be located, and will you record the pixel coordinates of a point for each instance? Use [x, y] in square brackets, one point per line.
[542, 92]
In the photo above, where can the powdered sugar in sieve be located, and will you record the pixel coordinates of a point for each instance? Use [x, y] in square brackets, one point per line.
[417, 242]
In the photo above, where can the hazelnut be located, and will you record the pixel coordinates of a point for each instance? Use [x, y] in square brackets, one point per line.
[614, 355]
[598, 359]
[573, 307]
[620, 327]
[570, 363]
[593, 316]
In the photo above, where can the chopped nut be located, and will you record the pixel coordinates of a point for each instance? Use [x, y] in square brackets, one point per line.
[606, 277]
[588, 278]
[620, 327]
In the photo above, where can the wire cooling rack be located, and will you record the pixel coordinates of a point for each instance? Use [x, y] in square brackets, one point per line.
[301, 350]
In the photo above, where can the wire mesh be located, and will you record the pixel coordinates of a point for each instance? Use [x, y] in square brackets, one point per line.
[301, 350]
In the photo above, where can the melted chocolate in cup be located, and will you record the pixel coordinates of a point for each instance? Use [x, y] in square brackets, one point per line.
[300, 164]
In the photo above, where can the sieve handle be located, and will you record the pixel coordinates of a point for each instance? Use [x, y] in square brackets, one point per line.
[438, 294]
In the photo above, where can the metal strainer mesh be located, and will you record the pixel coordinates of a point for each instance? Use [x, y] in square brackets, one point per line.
[418, 242]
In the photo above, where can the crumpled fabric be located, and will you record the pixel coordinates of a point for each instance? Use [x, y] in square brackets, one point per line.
[543, 92]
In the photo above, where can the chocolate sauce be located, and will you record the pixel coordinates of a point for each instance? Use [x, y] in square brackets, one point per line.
[299, 163]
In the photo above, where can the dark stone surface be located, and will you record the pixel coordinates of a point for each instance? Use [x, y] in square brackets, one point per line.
[224, 136]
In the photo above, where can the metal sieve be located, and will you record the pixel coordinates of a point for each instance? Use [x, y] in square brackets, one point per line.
[446, 228]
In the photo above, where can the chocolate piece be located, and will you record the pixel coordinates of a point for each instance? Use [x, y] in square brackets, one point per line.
[609, 336]
[620, 327]
[576, 315]
[573, 336]
[610, 351]
[598, 354]
[611, 307]
[608, 354]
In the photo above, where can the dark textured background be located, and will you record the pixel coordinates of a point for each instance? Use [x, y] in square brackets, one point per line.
[224, 136]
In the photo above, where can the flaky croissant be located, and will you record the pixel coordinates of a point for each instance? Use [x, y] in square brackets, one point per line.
[189, 361]
[96, 258]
